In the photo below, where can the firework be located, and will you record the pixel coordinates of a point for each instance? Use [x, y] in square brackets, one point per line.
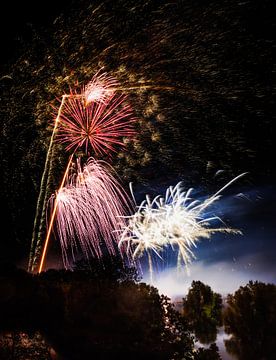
[42, 198]
[99, 89]
[90, 207]
[96, 119]
[53, 215]
[176, 221]
[99, 126]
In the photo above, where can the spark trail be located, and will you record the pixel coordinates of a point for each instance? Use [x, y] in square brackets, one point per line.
[41, 198]
[90, 207]
[176, 221]
[53, 214]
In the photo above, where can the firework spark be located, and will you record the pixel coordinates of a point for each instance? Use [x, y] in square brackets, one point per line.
[53, 216]
[41, 202]
[176, 221]
[89, 208]
[99, 126]
[99, 89]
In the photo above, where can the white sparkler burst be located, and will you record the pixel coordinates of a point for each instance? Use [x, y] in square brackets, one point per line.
[100, 88]
[176, 221]
[91, 206]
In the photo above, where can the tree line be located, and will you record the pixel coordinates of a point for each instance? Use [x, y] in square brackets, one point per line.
[101, 310]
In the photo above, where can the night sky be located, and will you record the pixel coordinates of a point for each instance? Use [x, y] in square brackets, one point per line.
[218, 123]
[227, 261]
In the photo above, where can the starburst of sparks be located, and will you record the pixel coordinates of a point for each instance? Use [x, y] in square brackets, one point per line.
[99, 125]
[90, 207]
[176, 221]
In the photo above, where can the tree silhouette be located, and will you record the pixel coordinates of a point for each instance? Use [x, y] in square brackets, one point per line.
[113, 268]
[208, 354]
[202, 310]
[82, 315]
[251, 319]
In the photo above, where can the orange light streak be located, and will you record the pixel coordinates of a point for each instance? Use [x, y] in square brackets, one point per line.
[53, 215]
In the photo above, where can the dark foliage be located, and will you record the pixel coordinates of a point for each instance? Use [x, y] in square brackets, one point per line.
[202, 310]
[208, 354]
[83, 316]
[112, 268]
[80, 316]
[251, 319]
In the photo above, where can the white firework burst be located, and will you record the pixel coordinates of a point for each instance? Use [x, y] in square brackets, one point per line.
[177, 221]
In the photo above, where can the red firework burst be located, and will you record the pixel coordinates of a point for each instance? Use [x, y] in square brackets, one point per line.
[99, 125]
